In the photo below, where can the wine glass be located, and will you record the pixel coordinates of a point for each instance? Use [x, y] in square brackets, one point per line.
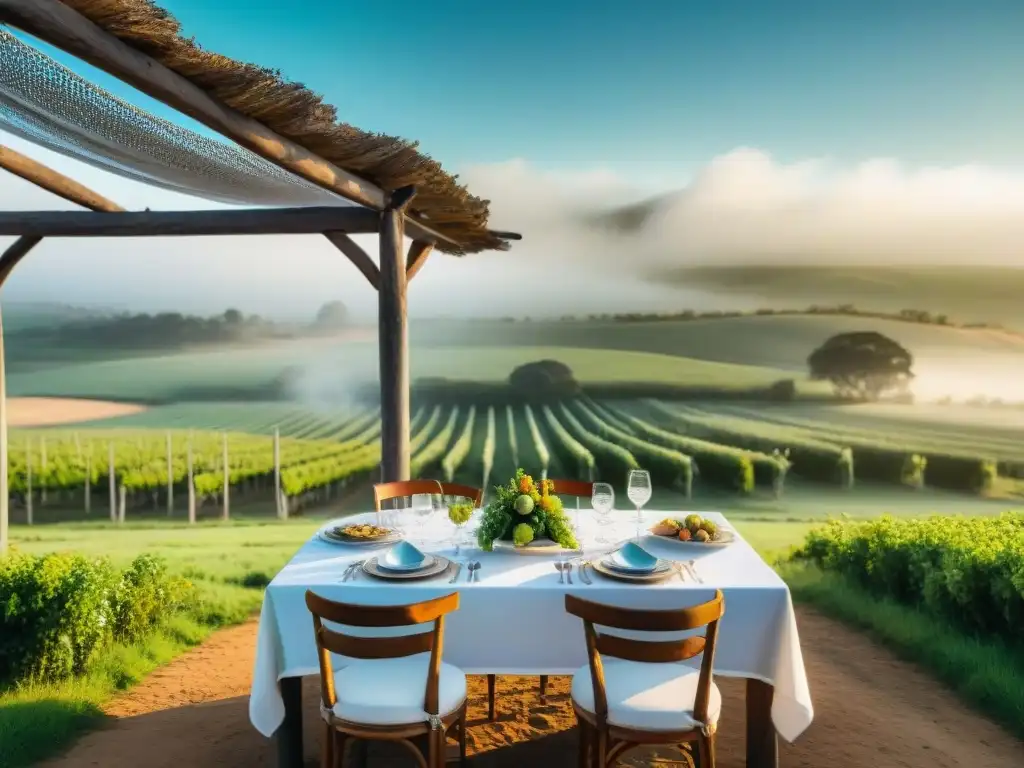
[638, 490]
[602, 499]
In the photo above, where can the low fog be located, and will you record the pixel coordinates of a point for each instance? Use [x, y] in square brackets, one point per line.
[743, 207]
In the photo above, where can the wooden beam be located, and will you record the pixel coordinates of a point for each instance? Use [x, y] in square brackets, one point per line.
[51, 181]
[59, 25]
[239, 221]
[393, 338]
[419, 251]
[357, 256]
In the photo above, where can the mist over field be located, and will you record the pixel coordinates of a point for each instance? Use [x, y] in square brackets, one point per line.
[580, 252]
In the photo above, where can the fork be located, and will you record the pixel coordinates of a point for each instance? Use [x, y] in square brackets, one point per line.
[351, 569]
[476, 571]
[691, 566]
[567, 565]
[561, 573]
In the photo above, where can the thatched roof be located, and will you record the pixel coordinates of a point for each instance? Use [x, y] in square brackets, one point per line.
[299, 114]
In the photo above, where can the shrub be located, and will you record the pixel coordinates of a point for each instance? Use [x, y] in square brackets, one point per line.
[60, 610]
[966, 570]
[783, 390]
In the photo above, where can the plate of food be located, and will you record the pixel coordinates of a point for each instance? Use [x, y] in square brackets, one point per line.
[359, 534]
[693, 530]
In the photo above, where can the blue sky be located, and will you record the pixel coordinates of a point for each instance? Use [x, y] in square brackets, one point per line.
[819, 130]
[649, 88]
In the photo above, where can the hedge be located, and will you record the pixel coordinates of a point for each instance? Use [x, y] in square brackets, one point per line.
[967, 570]
[60, 610]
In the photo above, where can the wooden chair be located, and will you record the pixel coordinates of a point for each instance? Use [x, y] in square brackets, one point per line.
[393, 692]
[404, 488]
[641, 695]
[581, 489]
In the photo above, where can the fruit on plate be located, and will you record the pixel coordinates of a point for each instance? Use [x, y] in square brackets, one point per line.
[709, 526]
[685, 535]
[692, 522]
[702, 536]
[362, 531]
[667, 527]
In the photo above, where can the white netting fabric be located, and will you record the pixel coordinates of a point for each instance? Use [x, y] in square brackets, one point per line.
[48, 104]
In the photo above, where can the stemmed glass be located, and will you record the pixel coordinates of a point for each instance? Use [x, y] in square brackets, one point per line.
[638, 490]
[602, 499]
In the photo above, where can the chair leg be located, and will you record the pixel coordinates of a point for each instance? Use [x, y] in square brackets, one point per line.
[543, 689]
[706, 748]
[600, 746]
[436, 748]
[340, 742]
[492, 683]
[462, 740]
[584, 748]
[360, 753]
[327, 749]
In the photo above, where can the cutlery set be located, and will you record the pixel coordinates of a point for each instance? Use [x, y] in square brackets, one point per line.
[683, 569]
[473, 567]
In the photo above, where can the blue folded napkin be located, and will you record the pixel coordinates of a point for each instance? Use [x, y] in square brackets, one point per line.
[403, 555]
[633, 557]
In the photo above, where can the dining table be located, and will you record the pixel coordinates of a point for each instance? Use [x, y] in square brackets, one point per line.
[512, 620]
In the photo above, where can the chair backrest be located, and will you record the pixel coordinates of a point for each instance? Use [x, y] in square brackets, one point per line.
[577, 488]
[650, 651]
[404, 488]
[330, 641]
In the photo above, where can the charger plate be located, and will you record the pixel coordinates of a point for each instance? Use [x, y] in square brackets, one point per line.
[372, 568]
[639, 578]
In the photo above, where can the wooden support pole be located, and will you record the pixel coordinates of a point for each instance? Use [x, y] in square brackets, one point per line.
[191, 486]
[227, 480]
[170, 476]
[112, 483]
[282, 510]
[123, 502]
[28, 481]
[52, 181]
[418, 254]
[60, 25]
[229, 221]
[360, 258]
[88, 483]
[44, 467]
[394, 340]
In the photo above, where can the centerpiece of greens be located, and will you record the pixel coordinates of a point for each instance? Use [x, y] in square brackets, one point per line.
[523, 511]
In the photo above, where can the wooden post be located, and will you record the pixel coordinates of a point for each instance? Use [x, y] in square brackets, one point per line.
[170, 477]
[191, 486]
[227, 480]
[88, 483]
[42, 470]
[28, 481]
[393, 339]
[282, 511]
[123, 499]
[113, 486]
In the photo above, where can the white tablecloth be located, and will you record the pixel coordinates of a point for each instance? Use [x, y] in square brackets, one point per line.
[513, 620]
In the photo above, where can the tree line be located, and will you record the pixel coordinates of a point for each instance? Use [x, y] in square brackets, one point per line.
[175, 329]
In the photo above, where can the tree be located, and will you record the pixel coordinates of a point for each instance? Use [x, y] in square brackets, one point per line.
[546, 379]
[333, 314]
[862, 365]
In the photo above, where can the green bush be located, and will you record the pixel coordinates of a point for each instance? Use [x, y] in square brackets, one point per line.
[59, 610]
[966, 570]
[960, 473]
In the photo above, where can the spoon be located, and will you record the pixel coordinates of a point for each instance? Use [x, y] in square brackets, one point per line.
[561, 574]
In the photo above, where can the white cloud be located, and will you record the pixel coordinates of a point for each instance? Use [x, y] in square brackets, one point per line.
[742, 207]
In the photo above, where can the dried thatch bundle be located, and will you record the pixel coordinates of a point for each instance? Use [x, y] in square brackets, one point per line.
[299, 114]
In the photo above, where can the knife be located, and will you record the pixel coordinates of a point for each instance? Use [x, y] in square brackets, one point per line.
[455, 576]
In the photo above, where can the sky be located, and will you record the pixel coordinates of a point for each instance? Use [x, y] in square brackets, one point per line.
[799, 131]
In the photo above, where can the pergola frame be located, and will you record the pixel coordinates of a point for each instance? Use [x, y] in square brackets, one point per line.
[375, 210]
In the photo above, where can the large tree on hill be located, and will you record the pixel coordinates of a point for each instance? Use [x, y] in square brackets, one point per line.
[862, 365]
[332, 315]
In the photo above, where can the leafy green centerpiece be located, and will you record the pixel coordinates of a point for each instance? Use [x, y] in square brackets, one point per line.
[525, 511]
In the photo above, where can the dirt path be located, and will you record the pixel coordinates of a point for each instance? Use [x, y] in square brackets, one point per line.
[870, 710]
[52, 411]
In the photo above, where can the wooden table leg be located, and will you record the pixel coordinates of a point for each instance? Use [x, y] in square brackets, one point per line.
[289, 735]
[762, 743]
